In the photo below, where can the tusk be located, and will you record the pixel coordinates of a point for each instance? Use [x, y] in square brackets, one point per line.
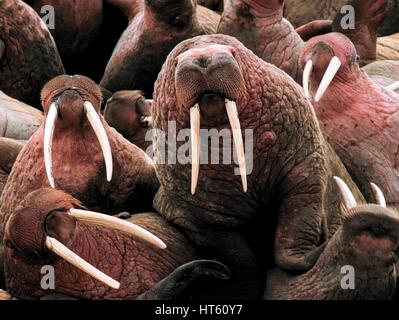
[393, 86]
[306, 77]
[62, 251]
[232, 113]
[379, 196]
[195, 146]
[329, 75]
[349, 199]
[51, 118]
[117, 224]
[99, 130]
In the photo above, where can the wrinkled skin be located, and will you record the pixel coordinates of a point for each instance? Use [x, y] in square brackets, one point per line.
[18, 120]
[85, 33]
[290, 215]
[260, 26]
[215, 5]
[388, 47]
[150, 36]
[78, 163]
[29, 57]
[9, 150]
[359, 117]
[126, 111]
[383, 72]
[300, 12]
[367, 241]
[369, 15]
[136, 265]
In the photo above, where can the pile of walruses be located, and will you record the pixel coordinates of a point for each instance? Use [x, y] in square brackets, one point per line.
[102, 196]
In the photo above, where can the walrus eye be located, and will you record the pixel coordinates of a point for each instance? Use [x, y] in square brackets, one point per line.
[178, 22]
[357, 58]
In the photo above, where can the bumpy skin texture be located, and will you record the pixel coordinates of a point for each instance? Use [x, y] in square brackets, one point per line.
[30, 58]
[388, 47]
[369, 15]
[300, 12]
[291, 210]
[359, 117]
[128, 112]
[18, 120]
[136, 265]
[260, 26]
[150, 36]
[78, 163]
[367, 242]
[383, 72]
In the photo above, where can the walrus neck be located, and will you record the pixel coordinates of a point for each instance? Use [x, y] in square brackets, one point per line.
[258, 10]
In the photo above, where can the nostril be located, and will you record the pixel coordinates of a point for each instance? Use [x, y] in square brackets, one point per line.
[202, 62]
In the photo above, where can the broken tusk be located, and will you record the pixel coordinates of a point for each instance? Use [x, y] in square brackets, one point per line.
[306, 77]
[393, 86]
[349, 199]
[49, 127]
[117, 224]
[62, 251]
[195, 146]
[99, 130]
[379, 196]
[329, 75]
[234, 120]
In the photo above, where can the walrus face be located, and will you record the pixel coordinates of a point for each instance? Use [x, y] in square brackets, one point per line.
[72, 104]
[327, 57]
[208, 81]
[48, 226]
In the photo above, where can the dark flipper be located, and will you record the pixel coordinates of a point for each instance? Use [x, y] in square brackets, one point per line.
[314, 28]
[179, 284]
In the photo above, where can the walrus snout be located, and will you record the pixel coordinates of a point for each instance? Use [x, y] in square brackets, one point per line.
[209, 69]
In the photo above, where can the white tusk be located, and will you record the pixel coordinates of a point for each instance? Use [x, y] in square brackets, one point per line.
[349, 199]
[306, 77]
[99, 130]
[195, 146]
[62, 251]
[393, 86]
[379, 196]
[49, 127]
[234, 120]
[117, 224]
[329, 75]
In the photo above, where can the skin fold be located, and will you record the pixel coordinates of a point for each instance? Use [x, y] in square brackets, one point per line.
[357, 116]
[383, 72]
[291, 213]
[388, 47]
[18, 120]
[260, 26]
[78, 163]
[137, 266]
[150, 36]
[300, 12]
[128, 112]
[29, 58]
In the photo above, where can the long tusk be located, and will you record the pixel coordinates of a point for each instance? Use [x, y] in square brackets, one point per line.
[306, 77]
[393, 86]
[349, 199]
[195, 146]
[51, 118]
[99, 130]
[329, 75]
[234, 120]
[117, 224]
[379, 196]
[62, 251]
